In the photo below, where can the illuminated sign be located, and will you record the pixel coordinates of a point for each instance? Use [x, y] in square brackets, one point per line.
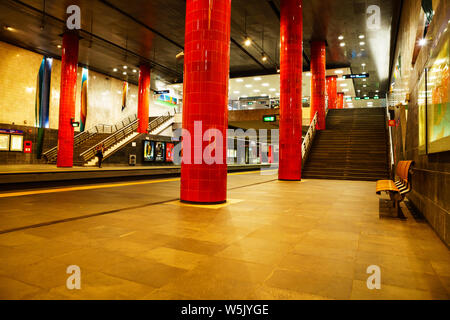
[270, 118]
[355, 76]
[162, 91]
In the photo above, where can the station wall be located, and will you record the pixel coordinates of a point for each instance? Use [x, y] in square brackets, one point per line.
[430, 193]
[18, 77]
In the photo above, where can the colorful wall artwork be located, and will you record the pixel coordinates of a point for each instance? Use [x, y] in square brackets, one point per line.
[42, 101]
[438, 104]
[84, 99]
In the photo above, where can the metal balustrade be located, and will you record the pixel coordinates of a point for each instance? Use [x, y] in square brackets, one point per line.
[81, 137]
[307, 142]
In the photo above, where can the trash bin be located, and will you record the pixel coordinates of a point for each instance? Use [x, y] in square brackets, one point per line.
[132, 160]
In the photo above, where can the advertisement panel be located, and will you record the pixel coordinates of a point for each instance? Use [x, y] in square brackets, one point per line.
[169, 151]
[160, 151]
[149, 151]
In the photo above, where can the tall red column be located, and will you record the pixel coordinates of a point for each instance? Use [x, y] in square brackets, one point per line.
[340, 100]
[69, 66]
[206, 73]
[143, 98]
[291, 35]
[318, 70]
[332, 92]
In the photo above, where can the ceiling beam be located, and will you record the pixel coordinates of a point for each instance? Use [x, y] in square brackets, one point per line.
[110, 5]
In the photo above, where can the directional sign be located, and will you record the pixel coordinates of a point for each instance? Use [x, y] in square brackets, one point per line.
[355, 76]
[271, 118]
[162, 91]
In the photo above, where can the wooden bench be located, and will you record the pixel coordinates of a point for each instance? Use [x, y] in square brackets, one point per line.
[398, 189]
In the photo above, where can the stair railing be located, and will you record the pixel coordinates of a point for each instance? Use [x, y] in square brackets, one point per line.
[87, 134]
[159, 121]
[107, 143]
[307, 142]
[391, 144]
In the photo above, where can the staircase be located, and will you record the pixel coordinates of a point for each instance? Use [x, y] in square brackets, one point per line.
[354, 146]
[124, 136]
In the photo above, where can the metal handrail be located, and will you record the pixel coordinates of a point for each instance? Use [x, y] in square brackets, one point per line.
[307, 142]
[87, 134]
[391, 147]
[111, 140]
[159, 121]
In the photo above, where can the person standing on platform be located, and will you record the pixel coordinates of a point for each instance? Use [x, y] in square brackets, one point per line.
[99, 154]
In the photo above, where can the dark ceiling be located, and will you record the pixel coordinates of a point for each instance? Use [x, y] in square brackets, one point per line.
[117, 32]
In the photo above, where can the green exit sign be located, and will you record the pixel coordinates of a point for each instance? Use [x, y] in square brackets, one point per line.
[269, 118]
[366, 98]
[357, 98]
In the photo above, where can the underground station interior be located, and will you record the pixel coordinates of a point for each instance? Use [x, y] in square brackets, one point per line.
[224, 150]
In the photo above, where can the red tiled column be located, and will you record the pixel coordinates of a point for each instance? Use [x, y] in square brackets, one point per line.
[69, 66]
[206, 72]
[340, 100]
[318, 56]
[291, 34]
[143, 98]
[332, 92]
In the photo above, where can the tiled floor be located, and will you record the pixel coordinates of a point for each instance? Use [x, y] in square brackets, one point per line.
[275, 240]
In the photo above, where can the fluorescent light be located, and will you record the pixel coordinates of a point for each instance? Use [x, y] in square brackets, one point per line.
[256, 90]
[115, 69]
[363, 64]
[343, 84]
[248, 42]
[272, 89]
[124, 73]
[248, 86]
[239, 80]
[342, 44]
[59, 46]
[236, 92]
[341, 37]
[340, 79]
[125, 67]
[265, 84]
[344, 90]
[361, 36]
[422, 42]
[364, 85]
[339, 72]
[134, 70]
[257, 78]
[308, 74]
[362, 43]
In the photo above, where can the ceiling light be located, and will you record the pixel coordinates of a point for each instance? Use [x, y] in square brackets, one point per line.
[264, 57]
[272, 89]
[364, 80]
[59, 46]
[340, 79]
[363, 64]
[422, 42]
[341, 37]
[364, 85]
[257, 78]
[244, 96]
[359, 90]
[134, 70]
[344, 90]
[343, 84]
[239, 80]
[256, 90]
[339, 72]
[115, 69]
[365, 95]
[377, 90]
[125, 67]
[236, 92]
[8, 28]
[362, 43]
[248, 42]
[342, 44]
[361, 36]
[278, 70]
[265, 84]
[308, 74]
[248, 86]
[124, 73]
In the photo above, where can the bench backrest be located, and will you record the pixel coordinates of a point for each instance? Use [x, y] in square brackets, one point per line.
[402, 170]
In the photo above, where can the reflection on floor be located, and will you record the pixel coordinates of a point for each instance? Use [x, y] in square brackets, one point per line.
[276, 240]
